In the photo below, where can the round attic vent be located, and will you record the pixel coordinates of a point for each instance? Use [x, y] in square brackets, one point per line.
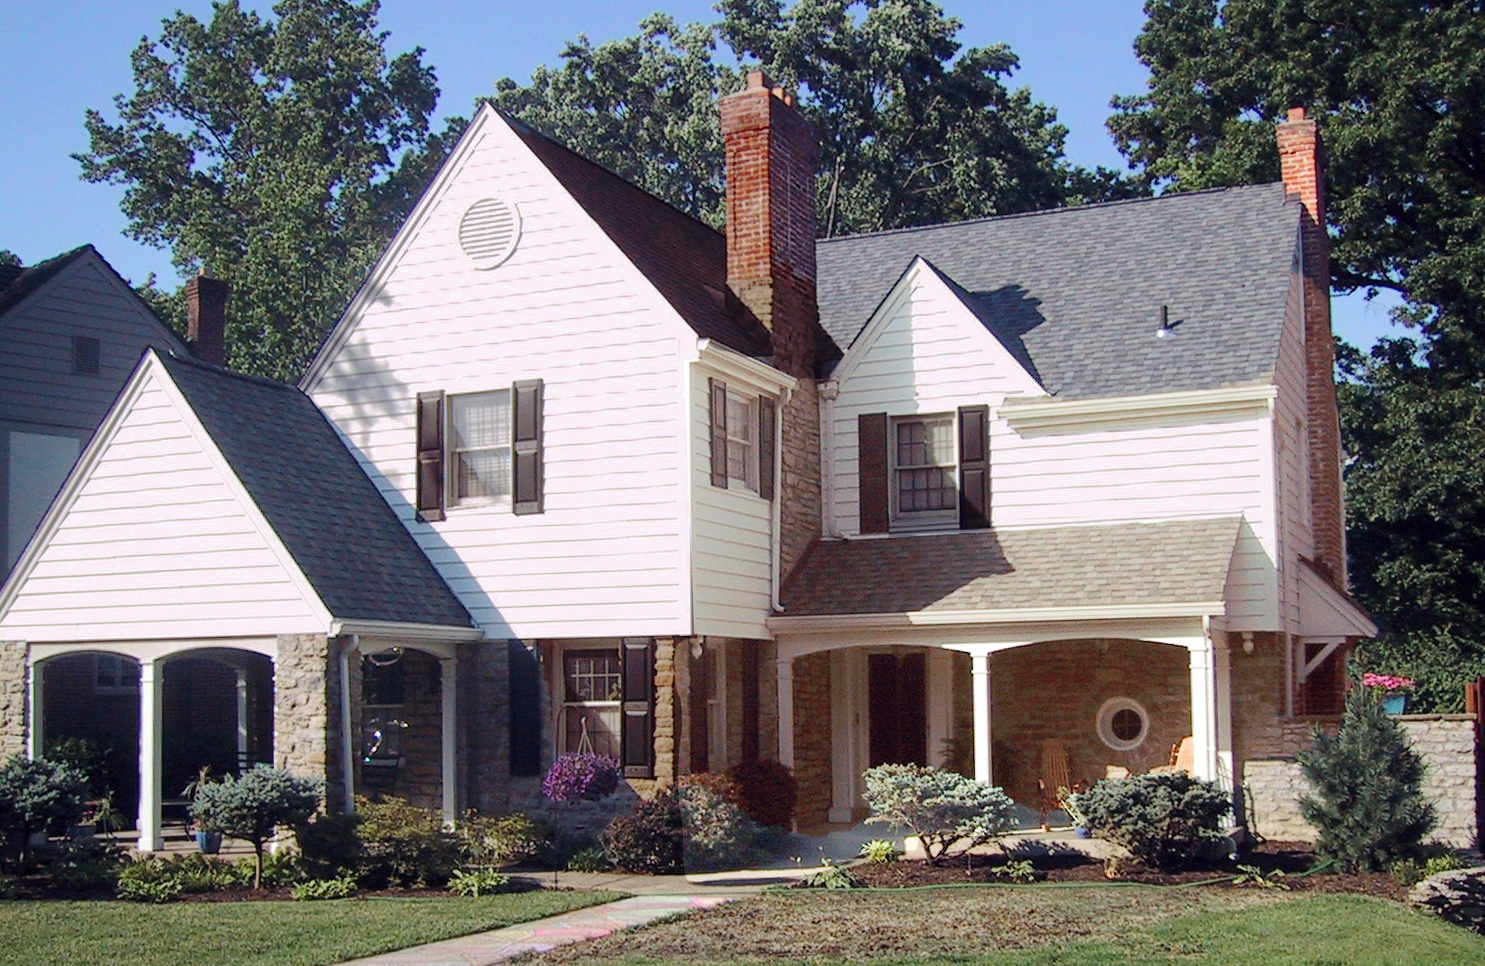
[488, 232]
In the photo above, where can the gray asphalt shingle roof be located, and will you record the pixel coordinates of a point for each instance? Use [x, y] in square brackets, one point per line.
[346, 540]
[1179, 561]
[1077, 291]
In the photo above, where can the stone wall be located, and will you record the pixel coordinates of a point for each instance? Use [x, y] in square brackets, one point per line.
[812, 739]
[484, 734]
[1274, 786]
[12, 698]
[306, 712]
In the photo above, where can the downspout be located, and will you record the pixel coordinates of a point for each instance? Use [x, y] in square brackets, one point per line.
[347, 747]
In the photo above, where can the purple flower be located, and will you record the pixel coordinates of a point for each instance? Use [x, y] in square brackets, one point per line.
[581, 775]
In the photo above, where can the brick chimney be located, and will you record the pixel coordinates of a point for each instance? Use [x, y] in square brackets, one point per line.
[771, 154]
[1304, 177]
[206, 318]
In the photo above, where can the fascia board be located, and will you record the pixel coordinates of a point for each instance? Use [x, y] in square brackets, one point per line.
[731, 363]
[1024, 413]
[1019, 615]
[404, 631]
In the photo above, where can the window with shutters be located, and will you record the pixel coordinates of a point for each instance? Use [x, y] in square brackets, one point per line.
[479, 449]
[742, 440]
[924, 465]
[592, 701]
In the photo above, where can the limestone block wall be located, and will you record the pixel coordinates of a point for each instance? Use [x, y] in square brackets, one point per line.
[1274, 785]
[812, 739]
[12, 698]
[306, 712]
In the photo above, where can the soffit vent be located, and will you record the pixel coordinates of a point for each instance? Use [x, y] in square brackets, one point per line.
[488, 232]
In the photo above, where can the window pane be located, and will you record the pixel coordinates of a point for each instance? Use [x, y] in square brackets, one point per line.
[739, 418]
[482, 474]
[594, 676]
[595, 729]
[480, 420]
[928, 489]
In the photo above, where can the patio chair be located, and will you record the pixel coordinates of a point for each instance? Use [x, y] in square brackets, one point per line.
[1054, 776]
[1181, 755]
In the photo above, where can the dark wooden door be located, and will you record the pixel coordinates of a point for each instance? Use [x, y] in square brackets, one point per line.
[897, 707]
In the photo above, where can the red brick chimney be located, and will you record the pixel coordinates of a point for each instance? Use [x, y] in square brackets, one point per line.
[1304, 177]
[771, 154]
[206, 318]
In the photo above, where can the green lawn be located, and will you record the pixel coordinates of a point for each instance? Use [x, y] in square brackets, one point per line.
[255, 933]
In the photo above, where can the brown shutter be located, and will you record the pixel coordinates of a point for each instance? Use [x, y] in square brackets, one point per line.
[526, 446]
[430, 455]
[871, 436]
[638, 720]
[719, 432]
[767, 455]
[974, 468]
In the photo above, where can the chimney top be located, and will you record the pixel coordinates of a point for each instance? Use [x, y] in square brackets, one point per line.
[206, 318]
[758, 81]
[1296, 114]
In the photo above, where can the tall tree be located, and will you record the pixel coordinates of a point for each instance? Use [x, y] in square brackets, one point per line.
[1398, 87]
[914, 129]
[278, 153]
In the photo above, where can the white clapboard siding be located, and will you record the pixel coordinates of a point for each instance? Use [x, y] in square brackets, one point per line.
[732, 552]
[605, 557]
[157, 541]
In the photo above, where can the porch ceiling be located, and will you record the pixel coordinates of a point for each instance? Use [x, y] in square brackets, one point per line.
[1127, 564]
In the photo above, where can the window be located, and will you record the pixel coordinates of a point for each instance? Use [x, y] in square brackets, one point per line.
[480, 449]
[85, 355]
[924, 472]
[593, 692]
[923, 468]
[1123, 723]
[742, 440]
[115, 675]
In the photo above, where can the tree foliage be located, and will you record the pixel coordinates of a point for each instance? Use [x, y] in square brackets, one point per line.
[914, 130]
[278, 153]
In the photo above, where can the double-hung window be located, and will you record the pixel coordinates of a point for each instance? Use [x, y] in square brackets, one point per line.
[593, 692]
[742, 440]
[923, 469]
[480, 448]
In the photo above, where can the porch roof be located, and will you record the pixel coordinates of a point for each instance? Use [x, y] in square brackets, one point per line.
[1169, 562]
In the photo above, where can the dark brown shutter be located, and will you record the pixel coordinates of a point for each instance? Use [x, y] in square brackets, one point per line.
[526, 446]
[719, 432]
[974, 467]
[871, 436]
[767, 455]
[638, 735]
[430, 455]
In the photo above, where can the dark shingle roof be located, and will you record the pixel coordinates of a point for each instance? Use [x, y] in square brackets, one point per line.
[1180, 561]
[1077, 291]
[346, 540]
[15, 285]
[683, 258]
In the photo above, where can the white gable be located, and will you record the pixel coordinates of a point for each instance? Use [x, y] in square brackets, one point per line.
[153, 538]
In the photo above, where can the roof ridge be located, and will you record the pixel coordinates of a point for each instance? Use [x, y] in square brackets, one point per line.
[1039, 212]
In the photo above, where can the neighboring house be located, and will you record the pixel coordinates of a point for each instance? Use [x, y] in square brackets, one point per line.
[653, 491]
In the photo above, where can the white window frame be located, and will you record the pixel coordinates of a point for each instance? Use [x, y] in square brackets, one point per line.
[940, 519]
[452, 451]
[613, 708]
[1104, 722]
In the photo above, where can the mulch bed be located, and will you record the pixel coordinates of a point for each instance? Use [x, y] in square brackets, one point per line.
[1291, 858]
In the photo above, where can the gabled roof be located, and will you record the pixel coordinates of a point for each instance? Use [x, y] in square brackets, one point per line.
[16, 284]
[346, 540]
[1079, 290]
[1130, 564]
[684, 259]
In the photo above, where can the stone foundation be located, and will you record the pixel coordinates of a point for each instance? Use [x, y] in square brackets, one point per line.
[12, 698]
[1447, 743]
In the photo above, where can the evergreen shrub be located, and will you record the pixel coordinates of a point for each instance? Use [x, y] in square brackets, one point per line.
[942, 808]
[767, 791]
[37, 795]
[1165, 821]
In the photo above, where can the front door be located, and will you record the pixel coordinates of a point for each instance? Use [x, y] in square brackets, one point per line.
[897, 708]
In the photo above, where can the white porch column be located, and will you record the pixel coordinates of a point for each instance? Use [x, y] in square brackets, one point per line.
[785, 667]
[448, 680]
[1203, 710]
[35, 732]
[980, 686]
[150, 759]
[242, 720]
[1223, 674]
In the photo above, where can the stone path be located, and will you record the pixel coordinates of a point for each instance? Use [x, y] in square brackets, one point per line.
[543, 934]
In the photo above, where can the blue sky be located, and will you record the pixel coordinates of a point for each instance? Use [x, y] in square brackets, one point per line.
[57, 60]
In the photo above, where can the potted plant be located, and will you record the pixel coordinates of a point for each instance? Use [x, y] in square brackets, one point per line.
[1391, 690]
[208, 840]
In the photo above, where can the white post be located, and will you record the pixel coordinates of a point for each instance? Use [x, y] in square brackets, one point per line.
[1223, 740]
[1203, 711]
[242, 720]
[980, 687]
[35, 710]
[785, 666]
[448, 679]
[150, 758]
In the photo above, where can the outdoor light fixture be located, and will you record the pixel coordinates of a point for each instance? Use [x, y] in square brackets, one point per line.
[1167, 327]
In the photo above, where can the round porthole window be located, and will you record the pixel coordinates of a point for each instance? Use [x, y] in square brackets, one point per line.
[488, 232]
[1123, 723]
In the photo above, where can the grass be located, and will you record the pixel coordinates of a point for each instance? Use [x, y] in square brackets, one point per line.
[1043, 927]
[256, 933]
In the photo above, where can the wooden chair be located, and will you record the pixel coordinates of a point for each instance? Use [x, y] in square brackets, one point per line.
[1054, 776]
[1181, 758]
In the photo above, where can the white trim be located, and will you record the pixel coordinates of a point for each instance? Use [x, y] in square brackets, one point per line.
[151, 650]
[733, 364]
[686, 460]
[1103, 723]
[782, 624]
[1026, 413]
[1325, 613]
[402, 631]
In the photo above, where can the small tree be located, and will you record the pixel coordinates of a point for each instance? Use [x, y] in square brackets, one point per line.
[253, 805]
[1367, 804]
[1165, 821]
[37, 795]
[942, 808]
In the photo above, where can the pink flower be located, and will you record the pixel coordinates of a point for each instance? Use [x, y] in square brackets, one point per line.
[1387, 682]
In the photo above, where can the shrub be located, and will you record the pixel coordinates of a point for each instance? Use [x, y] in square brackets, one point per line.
[340, 887]
[160, 880]
[1165, 821]
[716, 833]
[253, 805]
[37, 795]
[1367, 805]
[649, 840]
[499, 840]
[581, 776]
[478, 882]
[405, 844]
[87, 865]
[942, 808]
[766, 791]
[329, 845]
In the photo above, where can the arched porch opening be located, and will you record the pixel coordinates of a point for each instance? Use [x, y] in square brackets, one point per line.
[398, 732]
